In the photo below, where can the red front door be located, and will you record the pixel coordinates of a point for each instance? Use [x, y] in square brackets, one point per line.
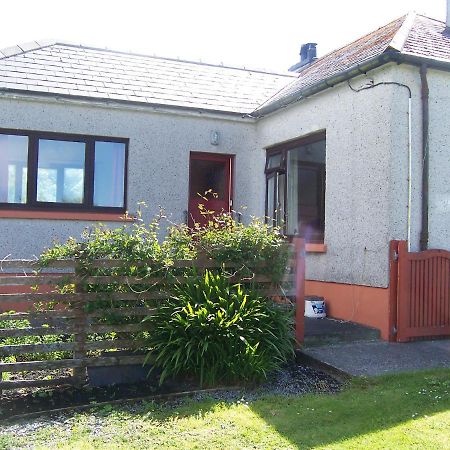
[209, 186]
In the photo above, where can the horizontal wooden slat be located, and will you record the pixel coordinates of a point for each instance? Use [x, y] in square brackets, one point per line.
[21, 384]
[34, 264]
[129, 327]
[15, 350]
[138, 311]
[114, 344]
[89, 296]
[71, 363]
[35, 331]
[10, 350]
[33, 280]
[70, 329]
[158, 281]
[200, 262]
[40, 316]
[52, 317]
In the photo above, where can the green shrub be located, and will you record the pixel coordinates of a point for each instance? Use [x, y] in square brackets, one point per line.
[226, 240]
[218, 332]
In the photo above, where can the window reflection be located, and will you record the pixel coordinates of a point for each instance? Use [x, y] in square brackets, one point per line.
[13, 168]
[109, 174]
[60, 174]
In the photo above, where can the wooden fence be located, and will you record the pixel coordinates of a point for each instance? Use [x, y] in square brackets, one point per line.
[69, 334]
[422, 284]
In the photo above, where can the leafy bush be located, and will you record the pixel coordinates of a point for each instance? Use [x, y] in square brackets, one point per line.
[226, 240]
[218, 332]
[249, 335]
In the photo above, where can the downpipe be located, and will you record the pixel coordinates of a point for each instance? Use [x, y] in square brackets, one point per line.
[425, 156]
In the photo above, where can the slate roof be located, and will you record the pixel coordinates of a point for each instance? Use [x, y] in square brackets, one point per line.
[412, 34]
[428, 38]
[71, 70]
[67, 69]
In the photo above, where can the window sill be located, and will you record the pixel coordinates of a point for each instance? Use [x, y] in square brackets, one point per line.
[316, 248]
[65, 215]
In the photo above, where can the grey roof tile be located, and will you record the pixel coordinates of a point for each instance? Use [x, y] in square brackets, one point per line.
[417, 35]
[59, 68]
[428, 38]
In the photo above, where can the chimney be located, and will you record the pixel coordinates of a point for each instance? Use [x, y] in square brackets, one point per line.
[308, 53]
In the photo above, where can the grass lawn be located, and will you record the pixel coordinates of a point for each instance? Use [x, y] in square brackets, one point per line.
[390, 412]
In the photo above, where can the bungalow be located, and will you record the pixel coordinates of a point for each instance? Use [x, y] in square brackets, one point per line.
[349, 150]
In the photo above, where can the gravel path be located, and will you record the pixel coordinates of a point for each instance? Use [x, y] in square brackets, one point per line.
[293, 380]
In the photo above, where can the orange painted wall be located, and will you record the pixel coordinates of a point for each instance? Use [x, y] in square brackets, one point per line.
[10, 289]
[361, 304]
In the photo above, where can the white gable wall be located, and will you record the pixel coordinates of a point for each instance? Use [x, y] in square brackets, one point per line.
[158, 165]
[439, 145]
[361, 135]
[439, 156]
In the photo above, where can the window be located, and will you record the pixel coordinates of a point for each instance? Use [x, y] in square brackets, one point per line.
[52, 171]
[295, 186]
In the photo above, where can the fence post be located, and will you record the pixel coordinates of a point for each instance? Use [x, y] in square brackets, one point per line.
[299, 245]
[403, 292]
[393, 289]
[79, 323]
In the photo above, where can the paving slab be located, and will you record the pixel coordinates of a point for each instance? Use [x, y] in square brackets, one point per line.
[378, 357]
[329, 331]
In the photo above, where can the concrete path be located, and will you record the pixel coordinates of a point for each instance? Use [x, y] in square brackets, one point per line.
[379, 357]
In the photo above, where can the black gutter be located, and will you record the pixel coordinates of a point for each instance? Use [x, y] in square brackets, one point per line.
[331, 81]
[358, 69]
[425, 156]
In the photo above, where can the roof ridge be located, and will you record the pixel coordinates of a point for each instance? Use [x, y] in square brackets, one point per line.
[26, 47]
[37, 45]
[165, 58]
[400, 37]
[430, 18]
[352, 43]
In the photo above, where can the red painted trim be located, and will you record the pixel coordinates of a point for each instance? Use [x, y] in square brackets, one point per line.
[299, 290]
[315, 248]
[61, 215]
[360, 304]
[393, 292]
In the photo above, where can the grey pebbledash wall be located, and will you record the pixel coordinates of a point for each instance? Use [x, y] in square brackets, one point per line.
[158, 170]
[359, 134]
[367, 169]
[366, 163]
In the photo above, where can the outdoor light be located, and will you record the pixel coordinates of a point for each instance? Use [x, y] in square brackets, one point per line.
[215, 138]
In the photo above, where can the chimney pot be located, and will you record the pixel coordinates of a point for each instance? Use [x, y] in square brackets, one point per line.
[308, 53]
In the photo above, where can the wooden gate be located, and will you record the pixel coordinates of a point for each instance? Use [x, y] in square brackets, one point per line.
[423, 293]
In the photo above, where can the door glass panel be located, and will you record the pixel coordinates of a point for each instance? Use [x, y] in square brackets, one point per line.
[271, 199]
[280, 199]
[60, 175]
[109, 174]
[13, 168]
[208, 178]
[307, 185]
[305, 190]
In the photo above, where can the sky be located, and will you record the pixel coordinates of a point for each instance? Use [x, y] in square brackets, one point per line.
[244, 33]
